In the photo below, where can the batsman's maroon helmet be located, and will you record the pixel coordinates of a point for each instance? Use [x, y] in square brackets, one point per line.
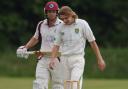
[51, 6]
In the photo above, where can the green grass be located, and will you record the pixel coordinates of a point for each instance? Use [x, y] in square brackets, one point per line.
[26, 83]
[15, 83]
[105, 84]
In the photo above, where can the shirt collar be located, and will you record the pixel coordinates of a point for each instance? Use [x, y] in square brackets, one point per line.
[58, 21]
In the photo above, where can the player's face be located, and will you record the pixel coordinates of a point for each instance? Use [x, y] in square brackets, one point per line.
[51, 14]
[67, 19]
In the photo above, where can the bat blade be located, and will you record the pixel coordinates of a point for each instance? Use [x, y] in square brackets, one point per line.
[43, 53]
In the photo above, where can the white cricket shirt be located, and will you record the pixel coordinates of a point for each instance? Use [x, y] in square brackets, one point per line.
[72, 38]
[47, 34]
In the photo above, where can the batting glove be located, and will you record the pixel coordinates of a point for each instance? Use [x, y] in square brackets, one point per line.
[22, 52]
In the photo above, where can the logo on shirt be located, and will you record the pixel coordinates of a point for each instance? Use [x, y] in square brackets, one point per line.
[76, 30]
[50, 38]
[54, 38]
[62, 33]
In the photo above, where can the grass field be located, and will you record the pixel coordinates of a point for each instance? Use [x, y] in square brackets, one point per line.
[26, 83]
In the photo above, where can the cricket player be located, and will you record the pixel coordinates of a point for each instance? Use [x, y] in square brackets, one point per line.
[45, 31]
[72, 36]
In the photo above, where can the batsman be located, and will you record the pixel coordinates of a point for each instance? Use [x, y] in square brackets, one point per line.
[72, 36]
[45, 32]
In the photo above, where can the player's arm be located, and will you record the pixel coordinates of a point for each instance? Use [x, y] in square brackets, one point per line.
[32, 42]
[54, 52]
[35, 39]
[101, 63]
[55, 48]
[88, 34]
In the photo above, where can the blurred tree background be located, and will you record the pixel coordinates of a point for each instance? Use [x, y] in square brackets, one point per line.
[107, 18]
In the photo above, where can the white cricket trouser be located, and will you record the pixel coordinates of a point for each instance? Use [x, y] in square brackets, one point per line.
[43, 74]
[73, 67]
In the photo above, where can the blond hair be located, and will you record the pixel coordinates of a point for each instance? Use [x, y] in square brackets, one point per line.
[67, 11]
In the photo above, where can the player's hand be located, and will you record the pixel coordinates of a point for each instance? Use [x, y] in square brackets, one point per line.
[21, 52]
[52, 63]
[101, 64]
[39, 54]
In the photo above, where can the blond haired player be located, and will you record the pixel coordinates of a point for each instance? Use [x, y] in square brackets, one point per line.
[46, 30]
[72, 36]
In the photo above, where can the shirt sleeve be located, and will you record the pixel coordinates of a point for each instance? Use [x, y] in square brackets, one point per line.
[88, 34]
[36, 35]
